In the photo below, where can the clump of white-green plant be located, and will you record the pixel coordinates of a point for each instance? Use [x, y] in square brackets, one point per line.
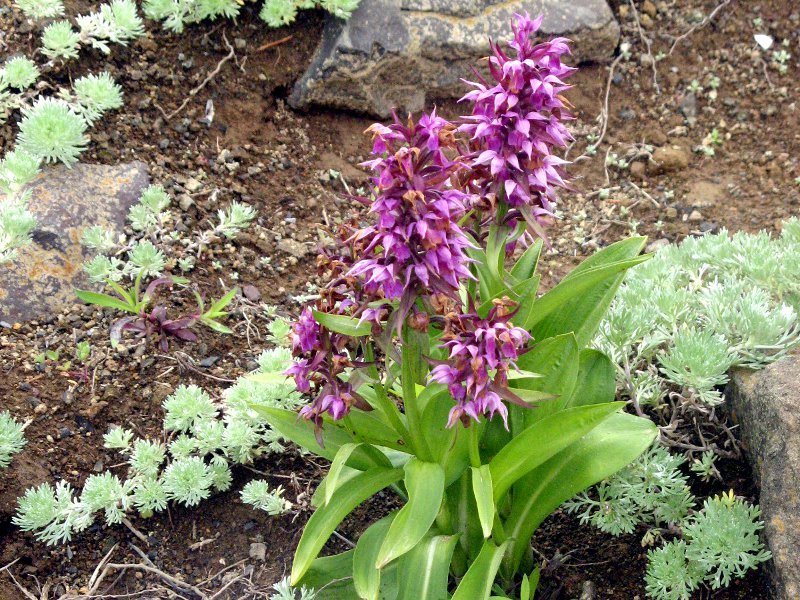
[119, 258]
[716, 543]
[17, 170]
[205, 439]
[53, 130]
[650, 491]
[719, 543]
[93, 95]
[17, 77]
[12, 438]
[40, 9]
[259, 495]
[116, 22]
[176, 14]
[684, 318]
[285, 591]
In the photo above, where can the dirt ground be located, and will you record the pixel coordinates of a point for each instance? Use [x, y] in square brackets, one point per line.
[259, 151]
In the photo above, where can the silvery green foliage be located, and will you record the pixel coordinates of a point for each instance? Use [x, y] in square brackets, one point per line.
[93, 95]
[207, 438]
[650, 491]
[176, 14]
[720, 543]
[258, 494]
[40, 9]
[234, 219]
[19, 72]
[53, 130]
[148, 213]
[682, 319]
[60, 40]
[98, 238]
[116, 22]
[285, 591]
[145, 258]
[12, 439]
[17, 170]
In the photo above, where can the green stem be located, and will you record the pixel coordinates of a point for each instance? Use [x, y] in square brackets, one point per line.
[474, 449]
[385, 404]
[408, 381]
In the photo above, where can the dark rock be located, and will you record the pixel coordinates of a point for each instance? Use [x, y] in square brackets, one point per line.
[391, 53]
[42, 279]
[209, 361]
[764, 404]
[688, 106]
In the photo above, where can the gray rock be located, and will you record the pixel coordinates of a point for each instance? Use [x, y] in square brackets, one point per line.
[764, 404]
[392, 53]
[42, 279]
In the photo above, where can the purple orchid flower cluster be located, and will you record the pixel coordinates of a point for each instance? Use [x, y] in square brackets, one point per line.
[518, 121]
[478, 346]
[429, 188]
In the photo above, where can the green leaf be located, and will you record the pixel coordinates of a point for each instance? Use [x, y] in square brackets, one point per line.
[525, 267]
[482, 488]
[215, 325]
[424, 483]
[424, 570]
[479, 579]
[449, 446]
[545, 439]
[596, 382]
[613, 444]
[580, 301]
[557, 361]
[366, 577]
[295, 429]
[103, 300]
[217, 309]
[343, 324]
[332, 480]
[326, 518]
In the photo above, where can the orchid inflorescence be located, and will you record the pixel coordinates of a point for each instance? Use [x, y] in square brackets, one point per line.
[437, 187]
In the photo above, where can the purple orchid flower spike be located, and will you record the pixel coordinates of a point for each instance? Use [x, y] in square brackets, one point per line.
[517, 122]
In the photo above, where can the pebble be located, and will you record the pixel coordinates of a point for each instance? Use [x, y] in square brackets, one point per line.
[185, 201]
[671, 212]
[649, 9]
[657, 245]
[695, 216]
[667, 159]
[258, 551]
[688, 106]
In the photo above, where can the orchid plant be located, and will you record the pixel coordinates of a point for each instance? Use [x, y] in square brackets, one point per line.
[435, 368]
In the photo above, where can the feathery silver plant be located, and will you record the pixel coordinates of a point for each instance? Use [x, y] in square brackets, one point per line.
[17, 170]
[40, 9]
[12, 439]
[208, 439]
[176, 14]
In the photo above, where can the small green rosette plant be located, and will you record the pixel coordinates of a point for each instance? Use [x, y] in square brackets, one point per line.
[436, 369]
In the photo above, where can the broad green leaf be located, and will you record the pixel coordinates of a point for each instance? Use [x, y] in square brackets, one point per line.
[596, 380]
[424, 483]
[571, 305]
[424, 570]
[216, 325]
[449, 446]
[479, 579]
[606, 449]
[525, 267]
[545, 439]
[217, 309]
[372, 428]
[580, 301]
[318, 498]
[482, 489]
[366, 577]
[332, 480]
[327, 569]
[326, 518]
[103, 300]
[557, 361]
[343, 324]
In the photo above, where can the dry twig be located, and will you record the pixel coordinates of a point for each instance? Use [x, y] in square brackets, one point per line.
[697, 26]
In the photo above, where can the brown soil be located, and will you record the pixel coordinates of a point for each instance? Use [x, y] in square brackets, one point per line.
[280, 162]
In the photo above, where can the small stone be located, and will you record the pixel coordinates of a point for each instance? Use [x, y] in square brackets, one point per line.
[258, 551]
[638, 169]
[627, 114]
[251, 292]
[657, 245]
[240, 43]
[163, 144]
[695, 216]
[208, 361]
[185, 201]
[671, 212]
[649, 9]
[667, 159]
[688, 106]
[192, 185]
[40, 408]
[647, 21]
[646, 60]
[293, 247]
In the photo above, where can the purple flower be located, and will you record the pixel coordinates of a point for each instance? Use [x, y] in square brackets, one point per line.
[478, 346]
[305, 332]
[416, 243]
[518, 120]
